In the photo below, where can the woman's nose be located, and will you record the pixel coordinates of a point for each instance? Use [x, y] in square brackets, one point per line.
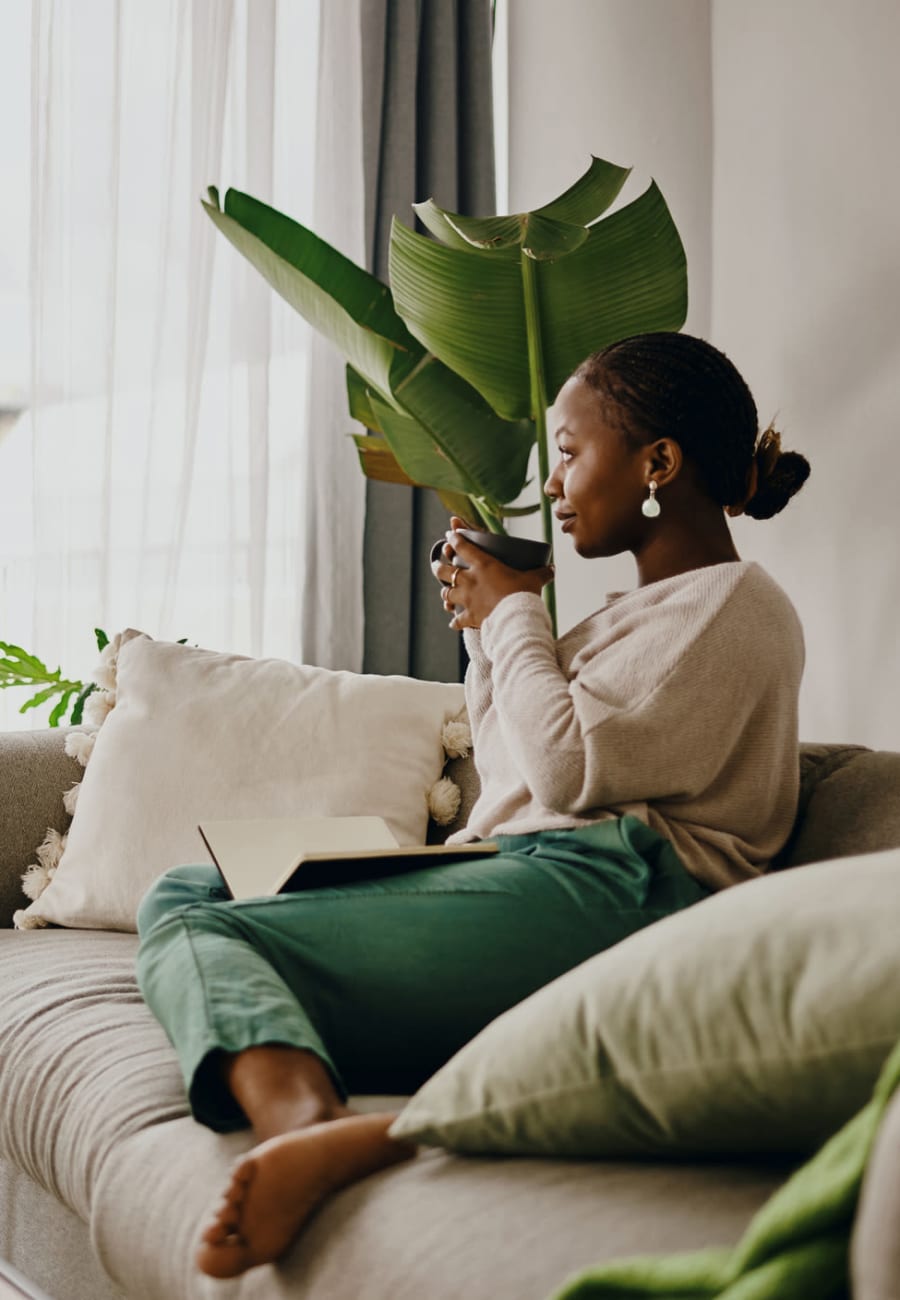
[550, 487]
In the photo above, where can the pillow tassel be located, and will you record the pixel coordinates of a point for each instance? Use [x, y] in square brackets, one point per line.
[456, 738]
[51, 849]
[444, 799]
[80, 745]
[22, 921]
[35, 880]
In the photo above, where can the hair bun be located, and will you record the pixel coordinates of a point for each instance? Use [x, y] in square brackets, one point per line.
[780, 475]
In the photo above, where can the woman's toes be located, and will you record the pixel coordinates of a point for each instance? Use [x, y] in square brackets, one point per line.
[242, 1172]
[226, 1260]
[217, 1233]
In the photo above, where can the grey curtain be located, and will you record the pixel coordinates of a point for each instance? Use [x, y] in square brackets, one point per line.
[428, 133]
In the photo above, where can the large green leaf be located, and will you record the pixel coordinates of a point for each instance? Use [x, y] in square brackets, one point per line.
[540, 237]
[358, 400]
[460, 445]
[629, 277]
[536, 231]
[461, 305]
[378, 462]
[490, 453]
[590, 196]
[468, 308]
[417, 452]
[342, 301]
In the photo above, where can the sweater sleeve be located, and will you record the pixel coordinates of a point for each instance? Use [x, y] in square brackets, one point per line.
[478, 680]
[652, 715]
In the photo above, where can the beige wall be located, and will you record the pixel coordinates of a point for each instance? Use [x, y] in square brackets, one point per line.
[772, 131]
[630, 81]
[806, 297]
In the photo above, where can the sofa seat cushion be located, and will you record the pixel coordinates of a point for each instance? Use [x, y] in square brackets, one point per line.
[94, 1112]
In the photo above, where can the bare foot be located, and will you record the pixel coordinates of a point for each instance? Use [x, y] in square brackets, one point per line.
[279, 1118]
[277, 1186]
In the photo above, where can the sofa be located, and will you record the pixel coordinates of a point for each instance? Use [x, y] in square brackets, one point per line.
[105, 1178]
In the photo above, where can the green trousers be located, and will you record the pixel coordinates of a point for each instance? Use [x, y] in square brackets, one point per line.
[385, 979]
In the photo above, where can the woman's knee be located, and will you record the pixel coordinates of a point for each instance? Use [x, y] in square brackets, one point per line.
[177, 888]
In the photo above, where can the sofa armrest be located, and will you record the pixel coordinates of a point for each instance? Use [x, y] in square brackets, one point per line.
[35, 772]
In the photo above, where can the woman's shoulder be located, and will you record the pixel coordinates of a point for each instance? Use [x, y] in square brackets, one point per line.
[710, 586]
[701, 591]
[743, 600]
[759, 590]
[736, 599]
[766, 609]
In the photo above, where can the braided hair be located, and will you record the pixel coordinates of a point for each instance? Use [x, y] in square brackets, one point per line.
[669, 385]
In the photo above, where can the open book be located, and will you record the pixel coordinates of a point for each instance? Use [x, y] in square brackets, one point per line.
[279, 855]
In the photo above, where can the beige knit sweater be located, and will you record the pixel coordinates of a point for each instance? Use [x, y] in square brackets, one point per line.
[676, 702]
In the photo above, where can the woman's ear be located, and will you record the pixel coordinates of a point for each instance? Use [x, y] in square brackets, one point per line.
[663, 462]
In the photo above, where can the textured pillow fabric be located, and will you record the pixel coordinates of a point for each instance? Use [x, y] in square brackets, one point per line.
[755, 1021]
[848, 803]
[198, 735]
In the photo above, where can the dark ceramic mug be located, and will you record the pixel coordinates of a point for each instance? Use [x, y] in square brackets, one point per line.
[518, 552]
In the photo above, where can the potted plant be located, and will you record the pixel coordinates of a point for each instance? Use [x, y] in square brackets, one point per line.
[451, 368]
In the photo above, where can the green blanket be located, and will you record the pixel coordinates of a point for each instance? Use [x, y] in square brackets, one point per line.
[796, 1247]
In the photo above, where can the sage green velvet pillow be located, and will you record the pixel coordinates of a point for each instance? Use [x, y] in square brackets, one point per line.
[753, 1022]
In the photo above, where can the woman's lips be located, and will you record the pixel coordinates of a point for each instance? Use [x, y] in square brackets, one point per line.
[566, 522]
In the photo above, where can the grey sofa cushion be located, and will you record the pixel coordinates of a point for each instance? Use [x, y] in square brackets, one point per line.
[35, 771]
[849, 803]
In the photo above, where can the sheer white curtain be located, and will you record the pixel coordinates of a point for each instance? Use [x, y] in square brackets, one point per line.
[190, 472]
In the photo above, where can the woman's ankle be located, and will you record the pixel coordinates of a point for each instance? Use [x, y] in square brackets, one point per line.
[285, 1117]
[281, 1088]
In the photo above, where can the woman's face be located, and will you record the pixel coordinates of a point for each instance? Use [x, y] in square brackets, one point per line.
[600, 480]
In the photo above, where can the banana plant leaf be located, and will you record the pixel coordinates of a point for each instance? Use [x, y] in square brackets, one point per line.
[419, 455]
[342, 301]
[581, 204]
[378, 462]
[404, 451]
[466, 300]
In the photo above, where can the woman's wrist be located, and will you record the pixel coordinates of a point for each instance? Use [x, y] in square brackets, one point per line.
[518, 604]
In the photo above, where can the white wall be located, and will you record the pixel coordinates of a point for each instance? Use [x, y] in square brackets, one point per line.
[772, 131]
[629, 81]
[806, 299]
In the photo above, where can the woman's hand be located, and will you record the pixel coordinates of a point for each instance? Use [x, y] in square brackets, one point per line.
[476, 590]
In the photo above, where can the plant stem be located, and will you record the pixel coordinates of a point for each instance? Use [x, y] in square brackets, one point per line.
[491, 517]
[538, 408]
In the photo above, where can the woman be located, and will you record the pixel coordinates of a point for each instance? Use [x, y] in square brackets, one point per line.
[648, 756]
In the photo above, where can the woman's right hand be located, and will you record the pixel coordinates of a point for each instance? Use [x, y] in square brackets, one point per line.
[443, 568]
[475, 586]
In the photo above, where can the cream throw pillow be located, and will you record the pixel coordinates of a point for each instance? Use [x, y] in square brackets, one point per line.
[754, 1021]
[197, 735]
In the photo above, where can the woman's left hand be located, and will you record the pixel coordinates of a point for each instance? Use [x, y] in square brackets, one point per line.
[478, 588]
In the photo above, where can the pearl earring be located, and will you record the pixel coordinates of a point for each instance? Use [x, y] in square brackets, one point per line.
[651, 506]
